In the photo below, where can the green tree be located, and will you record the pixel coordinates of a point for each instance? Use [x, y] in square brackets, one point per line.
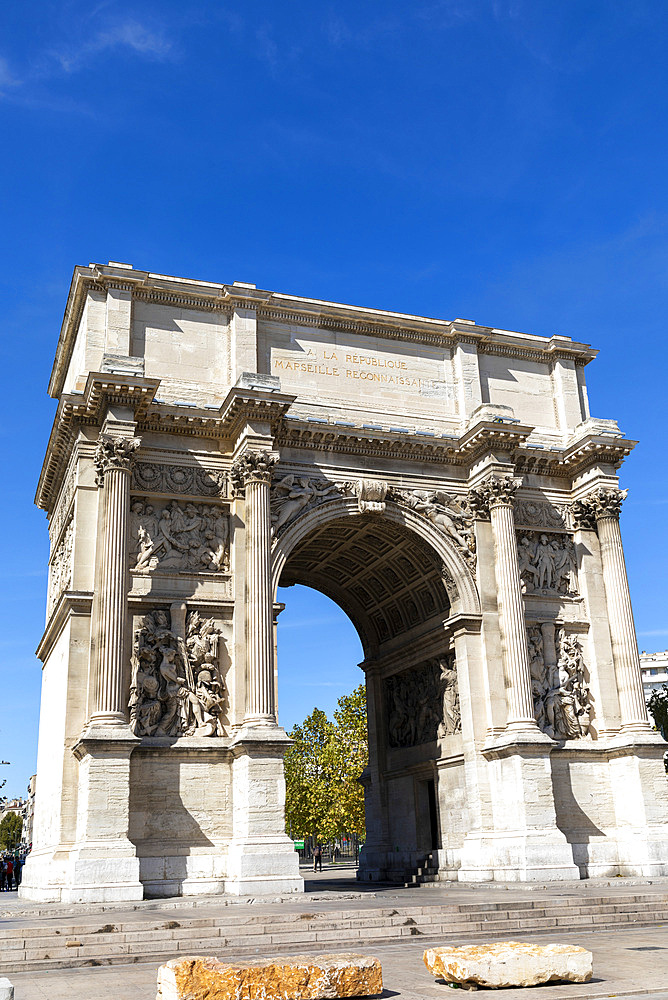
[323, 796]
[10, 831]
[308, 777]
[658, 706]
[350, 755]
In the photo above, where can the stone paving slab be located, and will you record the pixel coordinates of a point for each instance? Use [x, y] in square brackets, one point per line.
[627, 963]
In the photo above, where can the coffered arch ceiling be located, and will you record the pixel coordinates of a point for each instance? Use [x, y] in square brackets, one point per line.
[384, 578]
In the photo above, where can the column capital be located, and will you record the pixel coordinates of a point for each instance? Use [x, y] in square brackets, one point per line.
[603, 502]
[496, 491]
[114, 453]
[253, 467]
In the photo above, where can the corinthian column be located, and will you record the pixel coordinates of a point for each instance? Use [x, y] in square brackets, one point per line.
[252, 474]
[494, 498]
[113, 460]
[605, 504]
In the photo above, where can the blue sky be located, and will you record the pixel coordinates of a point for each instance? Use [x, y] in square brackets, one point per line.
[500, 160]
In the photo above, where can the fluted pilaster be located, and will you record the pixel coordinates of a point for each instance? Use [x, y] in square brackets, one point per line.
[252, 474]
[114, 462]
[606, 506]
[494, 498]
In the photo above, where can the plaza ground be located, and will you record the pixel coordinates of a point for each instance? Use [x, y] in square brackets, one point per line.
[629, 960]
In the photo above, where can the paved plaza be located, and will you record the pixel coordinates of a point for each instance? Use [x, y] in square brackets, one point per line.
[628, 960]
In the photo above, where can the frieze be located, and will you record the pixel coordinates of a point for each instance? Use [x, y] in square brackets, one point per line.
[422, 703]
[60, 574]
[451, 516]
[174, 537]
[65, 499]
[177, 688]
[194, 480]
[561, 695]
[542, 514]
[548, 563]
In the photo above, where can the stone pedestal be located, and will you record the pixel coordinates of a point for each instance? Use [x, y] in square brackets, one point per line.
[102, 866]
[640, 795]
[525, 843]
[262, 858]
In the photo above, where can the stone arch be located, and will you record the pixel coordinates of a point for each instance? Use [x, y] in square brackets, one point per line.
[458, 579]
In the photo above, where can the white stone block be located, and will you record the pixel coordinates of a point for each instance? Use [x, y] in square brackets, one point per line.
[510, 963]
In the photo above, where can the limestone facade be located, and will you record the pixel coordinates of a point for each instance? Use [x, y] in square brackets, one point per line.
[443, 482]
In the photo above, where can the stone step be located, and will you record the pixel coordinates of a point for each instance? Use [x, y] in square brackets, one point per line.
[137, 952]
[77, 944]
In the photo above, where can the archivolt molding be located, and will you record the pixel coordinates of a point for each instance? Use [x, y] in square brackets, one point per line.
[464, 601]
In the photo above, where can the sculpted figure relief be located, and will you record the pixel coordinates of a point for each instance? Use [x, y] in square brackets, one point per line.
[561, 695]
[292, 494]
[548, 563]
[188, 538]
[176, 687]
[449, 515]
[542, 514]
[423, 703]
[61, 566]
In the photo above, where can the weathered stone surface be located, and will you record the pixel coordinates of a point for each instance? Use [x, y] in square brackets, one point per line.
[301, 977]
[510, 963]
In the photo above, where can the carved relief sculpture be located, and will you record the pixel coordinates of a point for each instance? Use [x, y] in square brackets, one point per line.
[175, 538]
[542, 514]
[449, 515]
[371, 495]
[561, 696]
[548, 563]
[177, 689]
[61, 566]
[292, 495]
[423, 703]
[194, 480]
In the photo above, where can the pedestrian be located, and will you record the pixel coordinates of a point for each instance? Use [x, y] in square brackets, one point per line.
[3, 875]
[10, 873]
[317, 858]
[18, 871]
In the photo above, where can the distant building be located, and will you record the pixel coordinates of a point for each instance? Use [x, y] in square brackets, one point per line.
[654, 669]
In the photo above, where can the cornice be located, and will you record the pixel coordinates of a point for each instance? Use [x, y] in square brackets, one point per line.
[74, 410]
[575, 457]
[86, 408]
[497, 434]
[371, 443]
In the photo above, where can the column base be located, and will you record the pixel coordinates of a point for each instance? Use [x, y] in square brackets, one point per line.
[262, 866]
[85, 875]
[517, 856]
[524, 844]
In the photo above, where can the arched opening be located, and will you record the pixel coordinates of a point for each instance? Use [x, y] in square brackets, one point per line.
[401, 597]
[320, 652]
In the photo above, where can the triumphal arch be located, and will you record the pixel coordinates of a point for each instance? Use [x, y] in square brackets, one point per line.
[442, 481]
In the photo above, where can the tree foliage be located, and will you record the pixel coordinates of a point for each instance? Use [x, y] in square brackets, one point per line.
[658, 706]
[323, 796]
[10, 831]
